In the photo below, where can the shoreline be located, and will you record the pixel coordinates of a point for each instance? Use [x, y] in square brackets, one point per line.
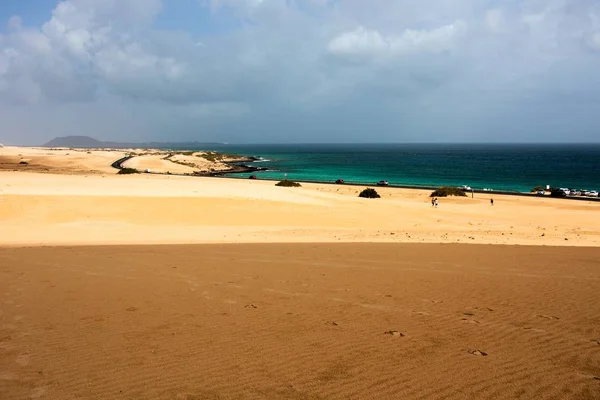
[237, 164]
[420, 187]
[240, 167]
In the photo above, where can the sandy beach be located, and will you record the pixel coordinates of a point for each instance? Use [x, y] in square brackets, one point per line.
[178, 287]
[300, 321]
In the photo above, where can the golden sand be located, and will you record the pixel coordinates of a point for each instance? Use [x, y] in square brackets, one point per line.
[300, 321]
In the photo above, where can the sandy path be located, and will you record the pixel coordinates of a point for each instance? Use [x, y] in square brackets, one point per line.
[300, 322]
[60, 209]
[157, 164]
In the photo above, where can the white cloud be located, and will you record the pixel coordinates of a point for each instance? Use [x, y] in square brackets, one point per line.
[371, 43]
[85, 40]
[359, 41]
[14, 23]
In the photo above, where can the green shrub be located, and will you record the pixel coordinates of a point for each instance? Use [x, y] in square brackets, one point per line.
[288, 183]
[446, 191]
[127, 171]
[213, 156]
[369, 194]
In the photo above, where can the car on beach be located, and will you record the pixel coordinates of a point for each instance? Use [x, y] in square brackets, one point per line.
[541, 192]
[339, 181]
[465, 188]
[252, 177]
[383, 183]
[592, 193]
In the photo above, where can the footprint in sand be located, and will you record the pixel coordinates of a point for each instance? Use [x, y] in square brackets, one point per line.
[332, 323]
[250, 306]
[476, 352]
[551, 317]
[23, 360]
[470, 321]
[394, 333]
[597, 341]
[38, 393]
[484, 309]
[469, 313]
[131, 309]
[529, 328]
[421, 313]
[7, 376]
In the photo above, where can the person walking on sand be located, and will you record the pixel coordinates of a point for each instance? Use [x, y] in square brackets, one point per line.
[435, 202]
[492, 201]
[432, 201]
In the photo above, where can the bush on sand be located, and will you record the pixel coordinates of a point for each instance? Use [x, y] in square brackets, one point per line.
[446, 191]
[288, 183]
[369, 193]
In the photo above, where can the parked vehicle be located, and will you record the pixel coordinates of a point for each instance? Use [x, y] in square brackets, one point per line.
[252, 177]
[383, 183]
[339, 181]
[541, 192]
[465, 188]
[592, 193]
[566, 191]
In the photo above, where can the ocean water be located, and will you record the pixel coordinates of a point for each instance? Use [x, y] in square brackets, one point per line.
[512, 167]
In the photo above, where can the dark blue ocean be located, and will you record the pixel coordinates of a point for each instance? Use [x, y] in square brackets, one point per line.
[513, 167]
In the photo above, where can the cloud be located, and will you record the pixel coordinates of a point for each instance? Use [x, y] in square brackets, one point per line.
[305, 70]
[62, 60]
[366, 42]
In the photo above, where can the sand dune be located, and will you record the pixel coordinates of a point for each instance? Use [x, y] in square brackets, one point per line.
[114, 209]
[59, 161]
[300, 322]
[158, 164]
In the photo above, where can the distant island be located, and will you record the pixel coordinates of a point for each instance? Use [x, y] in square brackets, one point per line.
[86, 142]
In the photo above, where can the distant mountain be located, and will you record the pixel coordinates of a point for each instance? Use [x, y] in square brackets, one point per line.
[75, 141]
[87, 142]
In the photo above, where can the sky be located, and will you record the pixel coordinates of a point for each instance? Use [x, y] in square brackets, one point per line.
[300, 71]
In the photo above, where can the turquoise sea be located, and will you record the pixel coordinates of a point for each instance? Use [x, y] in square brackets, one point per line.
[512, 167]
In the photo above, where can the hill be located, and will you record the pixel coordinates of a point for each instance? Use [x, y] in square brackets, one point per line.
[74, 141]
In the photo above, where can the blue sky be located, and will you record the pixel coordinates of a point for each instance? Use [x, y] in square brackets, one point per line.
[301, 70]
[33, 12]
[188, 15]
